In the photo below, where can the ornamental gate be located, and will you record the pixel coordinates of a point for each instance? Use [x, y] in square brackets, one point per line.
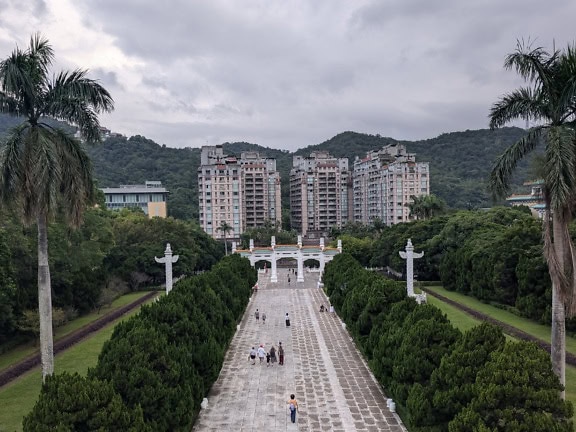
[298, 252]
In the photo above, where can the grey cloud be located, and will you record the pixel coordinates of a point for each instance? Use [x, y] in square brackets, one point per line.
[107, 78]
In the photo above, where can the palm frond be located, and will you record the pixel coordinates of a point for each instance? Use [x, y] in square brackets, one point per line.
[506, 163]
[76, 99]
[43, 172]
[560, 166]
[77, 186]
[532, 64]
[11, 165]
[567, 93]
[524, 103]
[41, 53]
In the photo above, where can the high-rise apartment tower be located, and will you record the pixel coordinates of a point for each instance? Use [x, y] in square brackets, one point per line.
[384, 182]
[320, 193]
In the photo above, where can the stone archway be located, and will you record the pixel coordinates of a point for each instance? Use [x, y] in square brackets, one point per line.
[297, 252]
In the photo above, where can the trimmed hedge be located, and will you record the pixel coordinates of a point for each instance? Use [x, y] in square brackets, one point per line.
[438, 377]
[162, 362]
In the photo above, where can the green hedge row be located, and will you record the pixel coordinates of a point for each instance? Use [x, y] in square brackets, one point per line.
[158, 366]
[440, 379]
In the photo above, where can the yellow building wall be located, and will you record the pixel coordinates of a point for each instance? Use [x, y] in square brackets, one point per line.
[157, 209]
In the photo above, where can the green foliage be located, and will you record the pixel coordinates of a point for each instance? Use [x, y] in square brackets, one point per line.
[359, 248]
[426, 206]
[452, 384]
[427, 337]
[167, 357]
[148, 371]
[69, 402]
[139, 239]
[439, 378]
[516, 391]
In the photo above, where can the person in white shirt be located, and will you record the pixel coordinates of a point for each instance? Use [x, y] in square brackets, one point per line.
[261, 353]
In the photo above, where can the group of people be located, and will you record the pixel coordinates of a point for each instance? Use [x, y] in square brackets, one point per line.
[269, 355]
[257, 316]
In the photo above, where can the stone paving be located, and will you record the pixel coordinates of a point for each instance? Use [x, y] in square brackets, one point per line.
[333, 386]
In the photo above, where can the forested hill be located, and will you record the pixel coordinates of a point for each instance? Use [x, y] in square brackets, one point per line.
[459, 163]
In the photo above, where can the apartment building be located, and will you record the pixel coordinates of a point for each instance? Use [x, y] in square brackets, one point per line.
[320, 192]
[151, 197]
[261, 187]
[244, 192]
[383, 183]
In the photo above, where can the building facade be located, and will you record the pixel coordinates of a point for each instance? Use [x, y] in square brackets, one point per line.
[534, 200]
[383, 183]
[320, 192]
[243, 193]
[151, 197]
[261, 187]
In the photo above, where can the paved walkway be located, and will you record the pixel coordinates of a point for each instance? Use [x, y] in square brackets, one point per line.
[333, 386]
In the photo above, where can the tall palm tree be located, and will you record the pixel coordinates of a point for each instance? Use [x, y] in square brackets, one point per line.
[225, 228]
[550, 99]
[42, 168]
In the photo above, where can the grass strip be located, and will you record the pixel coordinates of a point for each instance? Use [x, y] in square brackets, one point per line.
[18, 398]
[20, 353]
[539, 331]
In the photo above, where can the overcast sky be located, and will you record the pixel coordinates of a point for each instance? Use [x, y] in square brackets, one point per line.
[291, 73]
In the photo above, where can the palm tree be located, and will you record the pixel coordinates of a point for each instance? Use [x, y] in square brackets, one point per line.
[42, 168]
[550, 99]
[426, 206]
[225, 228]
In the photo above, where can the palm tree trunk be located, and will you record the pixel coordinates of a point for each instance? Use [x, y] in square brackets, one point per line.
[558, 337]
[45, 300]
[226, 243]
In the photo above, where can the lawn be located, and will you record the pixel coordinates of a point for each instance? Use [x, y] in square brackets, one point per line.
[13, 356]
[18, 397]
[538, 330]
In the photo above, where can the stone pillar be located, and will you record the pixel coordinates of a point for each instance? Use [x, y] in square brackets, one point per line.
[322, 263]
[273, 242]
[322, 243]
[251, 245]
[409, 256]
[168, 260]
[299, 241]
[339, 247]
[233, 247]
[300, 259]
[274, 276]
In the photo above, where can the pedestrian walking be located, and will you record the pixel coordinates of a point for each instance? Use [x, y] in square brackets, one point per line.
[252, 355]
[272, 355]
[288, 280]
[293, 406]
[280, 354]
[261, 353]
[287, 318]
[268, 359]
[257, 316]
[263, 318]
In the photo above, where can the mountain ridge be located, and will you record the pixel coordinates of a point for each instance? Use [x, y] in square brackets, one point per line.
[460, 163]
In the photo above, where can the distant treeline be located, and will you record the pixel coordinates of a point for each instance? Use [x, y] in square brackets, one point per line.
[494, 255]
[110, 254]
